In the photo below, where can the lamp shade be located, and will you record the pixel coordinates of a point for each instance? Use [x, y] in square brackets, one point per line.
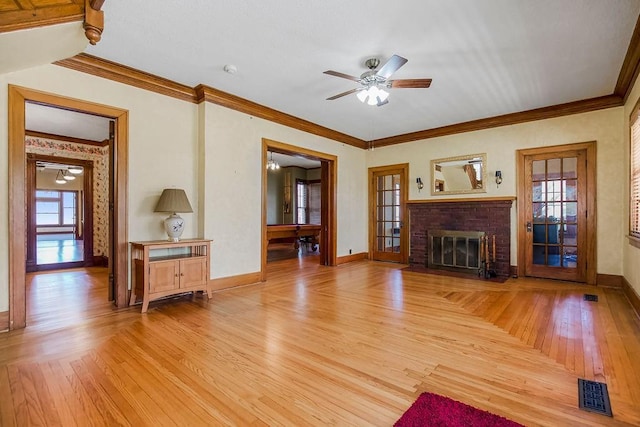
[173, 200]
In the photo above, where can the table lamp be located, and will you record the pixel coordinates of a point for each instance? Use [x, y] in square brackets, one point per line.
[175, 201]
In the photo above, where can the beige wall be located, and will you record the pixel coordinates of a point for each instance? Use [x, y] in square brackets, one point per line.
[500, 144]
[631, 254]
[214, 153]
[232, 153]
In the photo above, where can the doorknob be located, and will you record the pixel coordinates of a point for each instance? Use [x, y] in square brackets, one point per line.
[529, 227]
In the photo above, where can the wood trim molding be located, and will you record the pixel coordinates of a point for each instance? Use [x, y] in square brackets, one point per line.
[233, 281]
[93, 20]
[590, 246]
[464, 199]
[352, 257]
[4, 321]
[632, 295]
[113, 71]
[121, 73]
[609, 280]
[18, 96]
[630, 66]
[25, 15]
[45, 135]
[329, 200]
[215, 96]
[372, 202]
[569, 108]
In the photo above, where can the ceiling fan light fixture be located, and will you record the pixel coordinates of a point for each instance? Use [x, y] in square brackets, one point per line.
[67, 176]
[373, 96]
[76, 170]
[383, 95]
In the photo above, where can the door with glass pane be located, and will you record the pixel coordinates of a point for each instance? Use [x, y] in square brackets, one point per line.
[387, 198]
[554, 223]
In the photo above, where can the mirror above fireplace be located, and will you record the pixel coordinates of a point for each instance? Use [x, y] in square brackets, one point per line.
[459, 175]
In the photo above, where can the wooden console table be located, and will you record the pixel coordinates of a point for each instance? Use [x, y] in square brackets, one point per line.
[161, 268]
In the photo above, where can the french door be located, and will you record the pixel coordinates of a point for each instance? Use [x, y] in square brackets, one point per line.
[556, 204]
[387, 202]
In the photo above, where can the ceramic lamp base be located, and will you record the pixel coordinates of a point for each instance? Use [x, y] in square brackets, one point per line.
[174, 226]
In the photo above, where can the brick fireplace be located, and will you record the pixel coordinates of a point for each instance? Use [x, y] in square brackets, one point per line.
[482, 215]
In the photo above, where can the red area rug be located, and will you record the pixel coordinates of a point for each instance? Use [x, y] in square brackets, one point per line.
[433, 410]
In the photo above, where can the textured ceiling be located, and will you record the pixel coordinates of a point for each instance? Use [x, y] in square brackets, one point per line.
[486, 57]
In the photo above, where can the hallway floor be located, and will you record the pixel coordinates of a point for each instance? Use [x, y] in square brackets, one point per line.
[59, 248]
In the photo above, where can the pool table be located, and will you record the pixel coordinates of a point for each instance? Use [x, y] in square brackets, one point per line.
[295, 233]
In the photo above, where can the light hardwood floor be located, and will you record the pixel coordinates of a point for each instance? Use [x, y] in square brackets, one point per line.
[348, 345]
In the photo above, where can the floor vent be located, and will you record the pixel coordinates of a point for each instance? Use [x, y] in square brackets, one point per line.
[591, 297]
[594, 397]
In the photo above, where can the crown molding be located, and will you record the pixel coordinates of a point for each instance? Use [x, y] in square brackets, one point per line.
[630, 66]
[121, 73]
[215, 96]
[569, 108]
[201, 93]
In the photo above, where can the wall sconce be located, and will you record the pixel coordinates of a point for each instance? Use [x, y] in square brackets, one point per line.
[419, 184]
[498, 178]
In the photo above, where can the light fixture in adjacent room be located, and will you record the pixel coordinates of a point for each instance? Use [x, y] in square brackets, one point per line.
[272, 164]
[66, 175]
[174, 201]
[60, 177]
[76, 170]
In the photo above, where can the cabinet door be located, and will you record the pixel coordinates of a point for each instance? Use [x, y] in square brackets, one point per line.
[163, 276]
[193, 272]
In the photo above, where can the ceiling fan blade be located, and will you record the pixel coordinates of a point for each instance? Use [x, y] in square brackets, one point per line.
[340, 95]
[410, 83]
[342, 75]
[392, 65]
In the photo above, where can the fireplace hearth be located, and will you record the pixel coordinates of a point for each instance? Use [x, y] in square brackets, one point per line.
[461, 230]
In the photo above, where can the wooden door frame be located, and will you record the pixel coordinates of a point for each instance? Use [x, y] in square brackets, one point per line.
[590, 249]
[404, 233]
[329, 197]
[87, 210]
[18, 97]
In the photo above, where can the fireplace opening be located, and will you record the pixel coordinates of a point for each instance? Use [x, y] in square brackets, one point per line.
[459, 250]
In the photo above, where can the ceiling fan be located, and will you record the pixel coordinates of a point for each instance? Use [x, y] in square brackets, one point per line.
[374, 82]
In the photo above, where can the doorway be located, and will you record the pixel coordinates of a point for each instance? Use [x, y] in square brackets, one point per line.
[556, 212]
[59, 213]
[18, 98]
[387, 209]
[328, 173]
